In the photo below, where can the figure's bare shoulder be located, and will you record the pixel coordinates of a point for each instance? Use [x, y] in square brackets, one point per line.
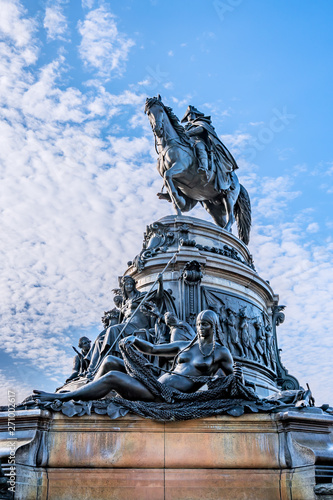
[223, 353]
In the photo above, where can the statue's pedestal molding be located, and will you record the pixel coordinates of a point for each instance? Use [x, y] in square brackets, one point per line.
[256, 456]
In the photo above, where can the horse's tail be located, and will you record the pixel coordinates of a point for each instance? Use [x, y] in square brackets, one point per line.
[243, 215]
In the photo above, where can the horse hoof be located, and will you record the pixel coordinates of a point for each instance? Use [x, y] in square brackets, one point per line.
[164, 196]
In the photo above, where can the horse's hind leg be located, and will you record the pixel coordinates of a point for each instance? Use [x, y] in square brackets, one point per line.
[217, 212]
[189, 204]
[229, 202]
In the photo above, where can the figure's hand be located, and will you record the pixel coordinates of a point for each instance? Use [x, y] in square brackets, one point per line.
[238, 372]
[164, 196]
[128, 340]
[150, 309]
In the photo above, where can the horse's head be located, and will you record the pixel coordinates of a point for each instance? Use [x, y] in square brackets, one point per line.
[154, 109]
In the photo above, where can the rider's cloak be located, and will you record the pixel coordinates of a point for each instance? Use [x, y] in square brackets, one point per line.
[221, 160]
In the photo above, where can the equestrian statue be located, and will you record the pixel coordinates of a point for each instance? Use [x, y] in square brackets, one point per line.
[197, 167]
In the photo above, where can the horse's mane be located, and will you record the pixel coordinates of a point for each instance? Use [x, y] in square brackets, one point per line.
[174, 120]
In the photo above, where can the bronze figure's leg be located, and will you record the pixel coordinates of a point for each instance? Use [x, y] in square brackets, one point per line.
[110, 363]
[202, 156]
[125, 385]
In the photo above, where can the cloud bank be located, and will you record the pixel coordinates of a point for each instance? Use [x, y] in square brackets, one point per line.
[103, 48]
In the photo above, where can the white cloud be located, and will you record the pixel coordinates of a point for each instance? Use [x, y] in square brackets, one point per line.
[10, 388]
[271, 195]
[235, 141]
[313, 227]
[103, 47]
[13, 25]
[168, 85]
[88, 4]
[303, 278]
[55, 22]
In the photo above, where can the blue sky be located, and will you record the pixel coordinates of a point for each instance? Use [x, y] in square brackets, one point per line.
[74, 78]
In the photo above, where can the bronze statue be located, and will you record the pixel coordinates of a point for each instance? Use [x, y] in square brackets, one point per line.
[233, 338]
[109, 338]
[245, 335]
[194, 361]
[185, 175]
[261, 339]
[220, 310]
[213, 156]
[80, 364]
[270, 347]
[177, 329]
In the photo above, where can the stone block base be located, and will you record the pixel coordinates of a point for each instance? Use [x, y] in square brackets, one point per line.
[165, 484]
[254, 457]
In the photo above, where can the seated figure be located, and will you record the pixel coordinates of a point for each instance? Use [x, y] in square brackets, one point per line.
[176, 329]
[111, 317]
[194, 361]
[108, 339]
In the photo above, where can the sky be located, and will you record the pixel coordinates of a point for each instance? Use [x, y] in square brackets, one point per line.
[77, 159]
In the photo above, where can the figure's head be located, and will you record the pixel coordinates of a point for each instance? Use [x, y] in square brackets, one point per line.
[110, 317]
[127, 284]
[117, 299]
[191, 114]
[154, 109]
[257, 322]
[207, 323]
[84, 344]
[170, 319]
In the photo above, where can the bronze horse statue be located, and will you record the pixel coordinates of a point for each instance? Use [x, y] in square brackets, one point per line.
[185, 184]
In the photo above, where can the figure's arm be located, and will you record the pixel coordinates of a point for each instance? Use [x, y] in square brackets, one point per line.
[159, 350]
[187, 327]
[76, 368]
[150, 309]
[226, 362]
[160, 288]
[195, 130]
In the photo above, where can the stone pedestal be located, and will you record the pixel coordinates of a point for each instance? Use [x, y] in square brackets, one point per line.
[279, 456]
[283, 456]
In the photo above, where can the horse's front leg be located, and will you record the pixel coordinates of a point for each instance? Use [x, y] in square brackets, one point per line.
[175, 171]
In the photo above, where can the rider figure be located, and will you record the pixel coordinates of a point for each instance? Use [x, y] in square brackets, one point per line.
[200, 128]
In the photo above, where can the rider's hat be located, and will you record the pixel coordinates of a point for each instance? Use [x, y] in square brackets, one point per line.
[192, 110]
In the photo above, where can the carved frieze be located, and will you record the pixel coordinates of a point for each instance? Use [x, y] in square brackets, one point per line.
[247, 331]
[159, 237]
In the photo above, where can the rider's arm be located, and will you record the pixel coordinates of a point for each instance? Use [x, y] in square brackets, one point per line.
[195, 130]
